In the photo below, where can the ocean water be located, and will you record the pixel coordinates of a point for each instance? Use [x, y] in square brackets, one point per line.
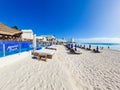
[113, 46]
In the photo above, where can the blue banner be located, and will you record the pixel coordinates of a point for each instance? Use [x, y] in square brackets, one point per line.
[13, 47]
[26, 46]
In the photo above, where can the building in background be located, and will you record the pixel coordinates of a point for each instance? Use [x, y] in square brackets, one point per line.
[41, 38]
[71, 40]
[27, 34]
[61, 41]
[46, 38]
[50, 38]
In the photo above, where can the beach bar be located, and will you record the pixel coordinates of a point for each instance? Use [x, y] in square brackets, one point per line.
[7, 33]
[11, 42]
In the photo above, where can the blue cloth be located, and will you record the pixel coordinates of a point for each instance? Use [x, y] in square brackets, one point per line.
[97, 48]
[39, 48]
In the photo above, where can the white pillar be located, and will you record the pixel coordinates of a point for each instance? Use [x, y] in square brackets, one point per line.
[34, 41]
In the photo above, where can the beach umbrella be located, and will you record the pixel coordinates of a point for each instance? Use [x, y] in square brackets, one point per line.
[34, 42]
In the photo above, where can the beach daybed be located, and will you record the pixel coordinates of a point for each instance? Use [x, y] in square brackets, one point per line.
[40, 56]
[75, 52]
[48, 52]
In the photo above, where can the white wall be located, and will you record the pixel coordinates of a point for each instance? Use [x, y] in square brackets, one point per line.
[27, 34]
[41, 37]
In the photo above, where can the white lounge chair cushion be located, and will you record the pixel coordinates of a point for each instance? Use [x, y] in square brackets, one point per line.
[46, 51]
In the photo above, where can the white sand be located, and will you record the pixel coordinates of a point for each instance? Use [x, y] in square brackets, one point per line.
[88, 71]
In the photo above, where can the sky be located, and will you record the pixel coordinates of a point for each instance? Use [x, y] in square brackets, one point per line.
[79, 19]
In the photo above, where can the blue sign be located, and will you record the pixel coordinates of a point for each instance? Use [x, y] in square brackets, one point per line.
[12, 47]
[25, 46]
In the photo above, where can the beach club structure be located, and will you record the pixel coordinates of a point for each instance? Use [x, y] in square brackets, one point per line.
[14, 41]
[11, 41]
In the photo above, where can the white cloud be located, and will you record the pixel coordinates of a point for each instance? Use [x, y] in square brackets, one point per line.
[99, 40]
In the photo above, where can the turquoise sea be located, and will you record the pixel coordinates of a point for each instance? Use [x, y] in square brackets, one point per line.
[114, 46]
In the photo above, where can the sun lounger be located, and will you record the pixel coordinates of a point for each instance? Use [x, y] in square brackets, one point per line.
[88, 49]
[96, 51]
[75, 52]
[79, 46]
[48, 52]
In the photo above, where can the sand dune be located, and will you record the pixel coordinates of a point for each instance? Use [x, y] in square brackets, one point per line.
[88, 71]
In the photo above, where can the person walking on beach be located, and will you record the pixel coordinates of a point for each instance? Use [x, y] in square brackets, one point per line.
[97, 48]
[84, 47]
[89, 46]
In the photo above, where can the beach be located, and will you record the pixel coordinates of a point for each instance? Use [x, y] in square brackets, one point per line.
[65, 71]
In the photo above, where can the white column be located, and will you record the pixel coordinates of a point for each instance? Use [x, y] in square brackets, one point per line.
[34, 41]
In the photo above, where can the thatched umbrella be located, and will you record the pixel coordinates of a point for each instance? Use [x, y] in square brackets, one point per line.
[7, 31]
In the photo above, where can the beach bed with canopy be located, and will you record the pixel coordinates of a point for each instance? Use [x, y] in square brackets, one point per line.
[45, 53]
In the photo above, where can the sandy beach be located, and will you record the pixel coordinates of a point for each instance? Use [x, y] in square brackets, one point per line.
[65, 71]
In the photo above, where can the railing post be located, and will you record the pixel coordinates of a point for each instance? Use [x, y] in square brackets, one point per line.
[3, 49]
